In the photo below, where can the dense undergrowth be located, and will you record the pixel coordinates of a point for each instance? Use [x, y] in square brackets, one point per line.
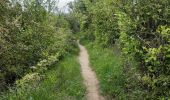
[62, 82]
[142, 29]
[32, 38]
[108, 67]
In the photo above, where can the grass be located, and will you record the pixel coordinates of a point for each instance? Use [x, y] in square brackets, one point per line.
[62, 82]
[108, 67]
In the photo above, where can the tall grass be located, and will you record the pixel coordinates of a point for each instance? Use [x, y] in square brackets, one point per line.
[62, 82]
[70, 85]
[107, 64]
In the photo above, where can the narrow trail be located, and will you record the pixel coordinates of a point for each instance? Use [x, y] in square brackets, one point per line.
[89, 76]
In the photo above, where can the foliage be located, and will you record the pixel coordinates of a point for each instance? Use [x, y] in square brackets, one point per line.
[93, 16]
[142, 28]
[143, 37]
[31, 39]
[62, 82]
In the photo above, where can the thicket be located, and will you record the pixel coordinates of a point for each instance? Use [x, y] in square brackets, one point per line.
[31, 39]
[142, 29]
[62, 82]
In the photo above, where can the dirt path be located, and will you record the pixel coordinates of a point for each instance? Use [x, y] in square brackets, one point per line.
[89, 76]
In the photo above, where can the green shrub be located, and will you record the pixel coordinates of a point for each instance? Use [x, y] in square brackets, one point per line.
[142, 29]
[30, 36]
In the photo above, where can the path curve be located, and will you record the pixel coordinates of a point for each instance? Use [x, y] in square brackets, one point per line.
[89, 76]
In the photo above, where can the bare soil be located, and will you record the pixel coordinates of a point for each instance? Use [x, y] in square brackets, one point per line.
[89, 76]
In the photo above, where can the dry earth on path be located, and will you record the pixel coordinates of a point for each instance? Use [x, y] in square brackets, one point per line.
[89, 76]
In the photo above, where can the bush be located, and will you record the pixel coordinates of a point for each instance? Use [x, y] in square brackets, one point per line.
[142, 27]
[30, 36]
